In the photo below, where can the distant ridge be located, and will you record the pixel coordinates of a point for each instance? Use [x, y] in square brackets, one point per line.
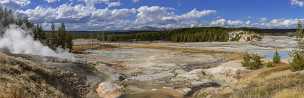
[145, 29]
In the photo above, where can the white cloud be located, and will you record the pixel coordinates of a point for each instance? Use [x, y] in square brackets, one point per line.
[218, 22]
[235, 22]
[123, 18]
[76, 13]
[297, 2]
[63, 13]
[166, 17]
[112, 14]
[148, 14]
[15, 3]
[283, 22]
[277, 23]
[110, 3]
[52, 1]
[261, 23]
[135, 1]
[263, 19]
[193, 14]
[114, 4]
[229, 23]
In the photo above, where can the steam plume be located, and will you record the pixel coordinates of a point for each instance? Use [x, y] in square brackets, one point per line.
[18, 41]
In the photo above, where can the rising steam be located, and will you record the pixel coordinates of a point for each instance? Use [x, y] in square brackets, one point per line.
[18, 41]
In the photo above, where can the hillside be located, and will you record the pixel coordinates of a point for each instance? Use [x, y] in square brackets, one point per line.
[26, 76]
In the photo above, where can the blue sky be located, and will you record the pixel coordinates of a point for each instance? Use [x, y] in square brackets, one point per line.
[137, 14]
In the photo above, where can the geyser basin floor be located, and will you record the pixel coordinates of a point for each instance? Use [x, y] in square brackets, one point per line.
[147, 69]
[152, 66]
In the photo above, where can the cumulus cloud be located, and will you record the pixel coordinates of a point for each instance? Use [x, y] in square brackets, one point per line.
[63, 13]
[75, 14]
[261, 23]
[148, 14]
[52, 1]
[88, 17]
[110, 3]
[114, 4]
[15, 3]
[229, 23]
[218, 22]
[167, 18]
[297, 2]
[283, 22]
[135, 1]
[19, 2]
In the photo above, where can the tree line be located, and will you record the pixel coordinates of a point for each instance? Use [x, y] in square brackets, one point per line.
[203, 34]
[59, 37]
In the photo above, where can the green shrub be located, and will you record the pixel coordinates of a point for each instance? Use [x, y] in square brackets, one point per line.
[269, 64]
[276, 57]
[297, 61]
[252, 61]
[297, 55]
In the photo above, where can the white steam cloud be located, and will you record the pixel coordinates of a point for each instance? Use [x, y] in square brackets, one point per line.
[18, 41]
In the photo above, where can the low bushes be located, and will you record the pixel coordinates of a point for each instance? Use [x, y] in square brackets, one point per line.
[269, 64]
[252, 61]
[297, 61]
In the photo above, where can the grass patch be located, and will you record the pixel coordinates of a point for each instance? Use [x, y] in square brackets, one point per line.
[290, 93]
[81, 48]
[269, 88]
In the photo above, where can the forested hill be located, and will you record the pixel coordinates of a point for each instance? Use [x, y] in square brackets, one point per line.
[199, 34]
[257, 30]
[178, 35]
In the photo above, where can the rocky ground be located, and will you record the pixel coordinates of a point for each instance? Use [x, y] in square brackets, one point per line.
[153, 69]
[26, 76]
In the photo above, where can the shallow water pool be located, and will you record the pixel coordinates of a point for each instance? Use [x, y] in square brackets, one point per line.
[283, 53]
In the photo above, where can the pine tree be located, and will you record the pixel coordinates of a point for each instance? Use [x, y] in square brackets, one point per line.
[297, 55]
[299, 32]
[276, 57]
[61, 36]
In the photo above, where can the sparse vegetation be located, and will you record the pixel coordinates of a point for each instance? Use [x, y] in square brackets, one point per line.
[297, 55]
[252, 61]
[269, 64]
[297, 61]
[273, 88]
[22, 78]
[59, 38]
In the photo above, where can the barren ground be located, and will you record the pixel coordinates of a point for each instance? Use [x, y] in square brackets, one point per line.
[182, 67]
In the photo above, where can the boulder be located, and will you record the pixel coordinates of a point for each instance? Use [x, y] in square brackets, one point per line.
[108, 90]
